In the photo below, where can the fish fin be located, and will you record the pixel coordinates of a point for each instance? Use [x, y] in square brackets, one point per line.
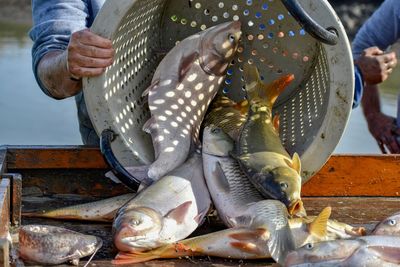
[151, 87]
[274, 89]
[221, 178]
[136, 257]
[319, 226]
[296, 163]
[75, 262]
[179, 213]
[199, 218]
[388, 254]
[185, 65]
[253, 81]
[248, 235]
[240, 221]
[276, 123]
[148, 125]
[246, 247]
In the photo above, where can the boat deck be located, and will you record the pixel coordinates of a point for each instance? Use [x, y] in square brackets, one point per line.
[362, 190]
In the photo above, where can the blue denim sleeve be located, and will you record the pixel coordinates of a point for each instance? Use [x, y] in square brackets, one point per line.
[53, 23]
[381, 29]
[358, 88]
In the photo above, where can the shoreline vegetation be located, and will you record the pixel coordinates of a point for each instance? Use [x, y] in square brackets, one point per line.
[352, 14]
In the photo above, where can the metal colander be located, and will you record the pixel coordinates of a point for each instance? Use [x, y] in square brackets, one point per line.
[313, 111]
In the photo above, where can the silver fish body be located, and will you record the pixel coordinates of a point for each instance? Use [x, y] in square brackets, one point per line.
[367, 251]
[183, 86]
[49, 245]
[166, 212]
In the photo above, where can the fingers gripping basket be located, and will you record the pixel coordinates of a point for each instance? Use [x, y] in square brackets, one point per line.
[313, 111]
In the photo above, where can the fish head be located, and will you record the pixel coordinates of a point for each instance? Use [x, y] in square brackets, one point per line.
[216, 142]
[312, 253]
[136, 227]
[219, 45]
[389, 226]
[284, 184]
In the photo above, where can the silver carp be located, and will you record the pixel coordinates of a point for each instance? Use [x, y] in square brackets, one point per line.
[50, 245]
[259, 149]
[166, 212]
[367, 251]
[388, 226]
[182, 88]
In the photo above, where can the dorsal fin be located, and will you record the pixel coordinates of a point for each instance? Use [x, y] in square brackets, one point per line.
[319, 226]
[274, 89]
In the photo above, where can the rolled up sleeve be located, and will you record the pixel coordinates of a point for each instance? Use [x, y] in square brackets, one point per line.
[381, 29]
[53, 23]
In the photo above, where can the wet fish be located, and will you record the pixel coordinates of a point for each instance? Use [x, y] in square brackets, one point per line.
[260, 151]
[367, 251]
[247, 243]
[166, 212]
[49, 245]
[227, 115]
[182, 88]
[100, 211]
[237, 201]
[389, 226]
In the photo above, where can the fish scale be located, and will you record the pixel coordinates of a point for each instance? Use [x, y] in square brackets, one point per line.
[182, 88]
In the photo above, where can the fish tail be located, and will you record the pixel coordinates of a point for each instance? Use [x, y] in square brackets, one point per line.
[272, 91]
[64, 213]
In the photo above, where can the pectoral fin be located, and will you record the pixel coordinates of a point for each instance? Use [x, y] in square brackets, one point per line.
[296, 163]
[185, 65]
[320, 224]
[220, 177]
[179, 213]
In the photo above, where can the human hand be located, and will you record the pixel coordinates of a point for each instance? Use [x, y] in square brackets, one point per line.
[375, 65]
[88, 54]
[383, 128]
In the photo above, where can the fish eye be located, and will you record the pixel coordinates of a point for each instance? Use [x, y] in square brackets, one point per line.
[284, 185]
[231, 38]
[216, 130]
[392, 222]
[309, 246]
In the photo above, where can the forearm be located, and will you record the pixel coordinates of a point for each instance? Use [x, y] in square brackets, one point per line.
[371, 104]
[53, 74]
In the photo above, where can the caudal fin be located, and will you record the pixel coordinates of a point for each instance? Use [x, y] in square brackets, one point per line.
[255, 88]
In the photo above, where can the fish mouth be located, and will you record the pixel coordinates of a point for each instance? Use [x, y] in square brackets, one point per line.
[297, 208]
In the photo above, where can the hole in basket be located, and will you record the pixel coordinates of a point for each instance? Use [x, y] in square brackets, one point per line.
[206, 12]
[264, 7]
[221, 5]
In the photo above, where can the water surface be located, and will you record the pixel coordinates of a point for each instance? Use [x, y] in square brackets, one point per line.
[28, 117]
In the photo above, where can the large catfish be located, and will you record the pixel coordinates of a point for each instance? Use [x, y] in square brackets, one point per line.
[259, 149]
[182, 88]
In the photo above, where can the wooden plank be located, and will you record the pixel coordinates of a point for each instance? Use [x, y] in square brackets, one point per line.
[16, 198]
[357, 175]
[3, 155]
[4, 207]
[41, 157]
[4, 252]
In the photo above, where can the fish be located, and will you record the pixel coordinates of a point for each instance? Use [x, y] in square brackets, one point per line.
[389, 226]
[227, 115]
[166, 212]
[236, 200]
[99, 211]
[183, 86]
[366, 251]
[247, 243]
[50, 245]
[259, 149]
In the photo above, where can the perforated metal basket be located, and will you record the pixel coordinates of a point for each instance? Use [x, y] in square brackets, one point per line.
[313, 111]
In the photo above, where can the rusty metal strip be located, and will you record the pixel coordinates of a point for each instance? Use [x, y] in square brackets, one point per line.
[4, 221]
[3, 156]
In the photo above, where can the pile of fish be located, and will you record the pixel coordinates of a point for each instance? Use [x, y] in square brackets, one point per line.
[239, 165]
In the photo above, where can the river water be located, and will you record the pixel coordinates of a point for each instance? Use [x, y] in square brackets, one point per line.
[28, 117]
